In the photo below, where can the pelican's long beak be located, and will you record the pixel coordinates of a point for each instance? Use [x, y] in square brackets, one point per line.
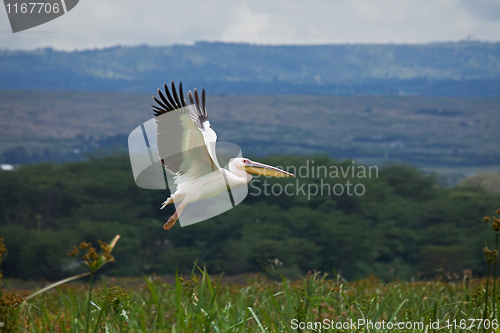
[266, 170]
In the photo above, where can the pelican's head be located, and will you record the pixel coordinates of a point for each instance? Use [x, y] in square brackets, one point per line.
[259, 169]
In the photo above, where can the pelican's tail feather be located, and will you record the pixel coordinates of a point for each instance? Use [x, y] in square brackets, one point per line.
[167, 202]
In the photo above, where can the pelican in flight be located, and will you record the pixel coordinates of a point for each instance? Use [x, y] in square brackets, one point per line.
[186, 147]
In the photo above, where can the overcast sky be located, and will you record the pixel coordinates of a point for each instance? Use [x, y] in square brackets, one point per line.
[103, 23]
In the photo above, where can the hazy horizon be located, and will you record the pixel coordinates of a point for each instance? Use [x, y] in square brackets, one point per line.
[111, 46]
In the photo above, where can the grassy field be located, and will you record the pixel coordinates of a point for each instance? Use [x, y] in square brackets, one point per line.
[267, 302]
[201, 303]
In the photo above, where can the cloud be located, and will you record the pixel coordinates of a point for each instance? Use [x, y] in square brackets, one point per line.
[102, 23]
[247, 25]
[482, 9]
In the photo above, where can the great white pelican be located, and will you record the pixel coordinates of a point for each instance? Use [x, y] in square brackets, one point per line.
[196, 171]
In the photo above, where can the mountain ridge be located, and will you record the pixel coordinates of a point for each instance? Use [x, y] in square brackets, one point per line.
[436, 69]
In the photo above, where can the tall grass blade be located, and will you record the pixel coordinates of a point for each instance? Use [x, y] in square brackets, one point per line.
[256, 319]
[55, 284]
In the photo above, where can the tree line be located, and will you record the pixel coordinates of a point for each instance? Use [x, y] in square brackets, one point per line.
[404, 224]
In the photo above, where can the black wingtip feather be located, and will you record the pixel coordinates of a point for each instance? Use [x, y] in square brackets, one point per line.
[170, 107]
[183, 101]
[190, 95]
[197, 100]
[169, 96]
[161, 104]
[174, 93]
[204, 107]
[172, 101]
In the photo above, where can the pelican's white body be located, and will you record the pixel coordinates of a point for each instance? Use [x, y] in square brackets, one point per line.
[212, 184]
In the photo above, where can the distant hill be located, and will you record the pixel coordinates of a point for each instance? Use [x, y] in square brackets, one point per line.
[454, 134]
[438, 69]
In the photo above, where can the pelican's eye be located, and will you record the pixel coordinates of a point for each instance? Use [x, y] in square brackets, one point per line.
[246, 161]
[211, 127]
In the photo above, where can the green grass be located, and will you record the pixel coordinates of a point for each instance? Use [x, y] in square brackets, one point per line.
[202, 303]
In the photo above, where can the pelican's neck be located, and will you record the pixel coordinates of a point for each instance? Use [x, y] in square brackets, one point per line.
[210, 138]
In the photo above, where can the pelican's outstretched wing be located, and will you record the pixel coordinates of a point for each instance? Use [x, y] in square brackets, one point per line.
[183, 135]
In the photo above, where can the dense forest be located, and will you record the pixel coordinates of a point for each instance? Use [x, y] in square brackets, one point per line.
[435, 69]
[404, 225]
